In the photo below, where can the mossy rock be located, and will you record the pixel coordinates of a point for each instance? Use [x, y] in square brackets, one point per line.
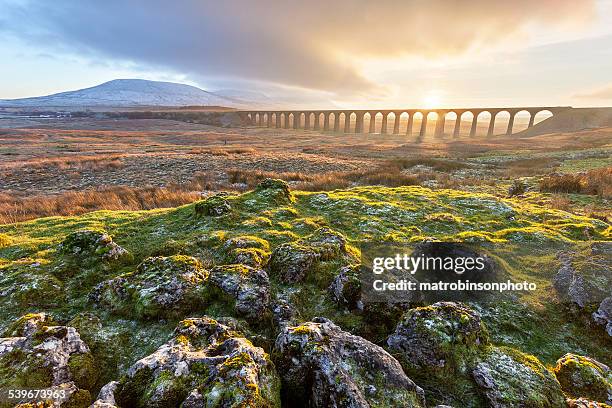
[328, 243]
[584, 377]
[438, 345]
[291, 261]
[274, 191]
[321, 364]
[161, 287]
[205, 364]
[248, 287]
[91, 245]
[443, 335]
[45, 356]
[245, 242]
[345, 289]
[509, 378]
[29, 324]
[213, 206]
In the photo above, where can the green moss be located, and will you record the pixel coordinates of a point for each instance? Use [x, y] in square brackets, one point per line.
[583, 377]
[83, 370]
[5, 240]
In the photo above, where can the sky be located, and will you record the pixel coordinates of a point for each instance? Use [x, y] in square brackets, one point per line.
[319, 53]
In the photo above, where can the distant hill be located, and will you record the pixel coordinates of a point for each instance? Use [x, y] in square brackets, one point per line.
[572, 120]
[136, 92]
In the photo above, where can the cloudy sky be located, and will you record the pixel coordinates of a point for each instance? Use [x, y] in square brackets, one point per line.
[348, 53]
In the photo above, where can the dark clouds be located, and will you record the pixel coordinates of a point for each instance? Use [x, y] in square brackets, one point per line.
[312, 44]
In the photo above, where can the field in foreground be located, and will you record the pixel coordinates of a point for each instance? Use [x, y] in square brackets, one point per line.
[72, 166]
[235, 292]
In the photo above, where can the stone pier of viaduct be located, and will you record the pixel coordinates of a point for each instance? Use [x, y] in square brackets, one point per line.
[342, 120]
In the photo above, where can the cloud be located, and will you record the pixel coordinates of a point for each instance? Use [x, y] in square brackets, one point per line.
[313, 45]
[604, 93]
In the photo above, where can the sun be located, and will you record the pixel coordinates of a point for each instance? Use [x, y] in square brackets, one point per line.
[432, 100]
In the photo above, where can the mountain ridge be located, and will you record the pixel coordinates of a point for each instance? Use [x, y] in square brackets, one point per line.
[133, 93]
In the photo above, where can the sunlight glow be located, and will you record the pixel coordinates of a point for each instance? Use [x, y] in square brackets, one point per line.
[432, 100]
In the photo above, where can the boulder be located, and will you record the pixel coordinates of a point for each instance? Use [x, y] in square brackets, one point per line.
[205, 364]
[328, 243]
[445, 335]
[510, 379]
[585, 277]
[93, 245]
[345, 289]
[213, 206]
[274, 191]
[41, 355]
[324, 366]
[603, 315]
[106, 396]
[584, 377]
[291, 262]
[248, 286]
[247, 250]
[161, 286]
[584, 403]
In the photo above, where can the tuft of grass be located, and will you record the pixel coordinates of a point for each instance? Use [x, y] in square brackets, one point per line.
[595, 182]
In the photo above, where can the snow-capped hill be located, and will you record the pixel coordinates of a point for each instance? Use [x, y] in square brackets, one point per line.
[131, 92]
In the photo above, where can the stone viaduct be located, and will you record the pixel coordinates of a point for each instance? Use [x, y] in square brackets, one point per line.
[343, 119]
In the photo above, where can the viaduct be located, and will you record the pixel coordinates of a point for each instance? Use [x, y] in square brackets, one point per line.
[342, 119]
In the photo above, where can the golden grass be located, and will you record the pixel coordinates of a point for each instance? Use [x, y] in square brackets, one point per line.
[595, 182]
[14, 209]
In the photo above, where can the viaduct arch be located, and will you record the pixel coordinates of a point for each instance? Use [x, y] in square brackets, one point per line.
[342, 120]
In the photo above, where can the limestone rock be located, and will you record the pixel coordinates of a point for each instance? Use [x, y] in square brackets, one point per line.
[205, 364]
[327, 243]
[443, 335]
[106, 397]
[584, 403]
[41, 355]
[585, 278]
[323, 366]
[603, 315]
[511, 379]
[292, 261]
[346, 288]
[161, 286]
[213, 206]
[93, 244]
[274, 191]
[584, 377]
[250, 287]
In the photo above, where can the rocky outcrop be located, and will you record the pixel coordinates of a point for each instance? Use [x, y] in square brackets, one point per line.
[447, 346]
[584, 403]
[585, 280]
[92, 245]
[345, 289]
[38, 354]
[205, 364]
[509, 378]
[161, 286]
[292, 261]
[443, 335]
[249, 287]
[603, 315]
[213, 206]
[324, 366]
[247, 250]
[584, 377]
[274, 191]
[327, 243]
